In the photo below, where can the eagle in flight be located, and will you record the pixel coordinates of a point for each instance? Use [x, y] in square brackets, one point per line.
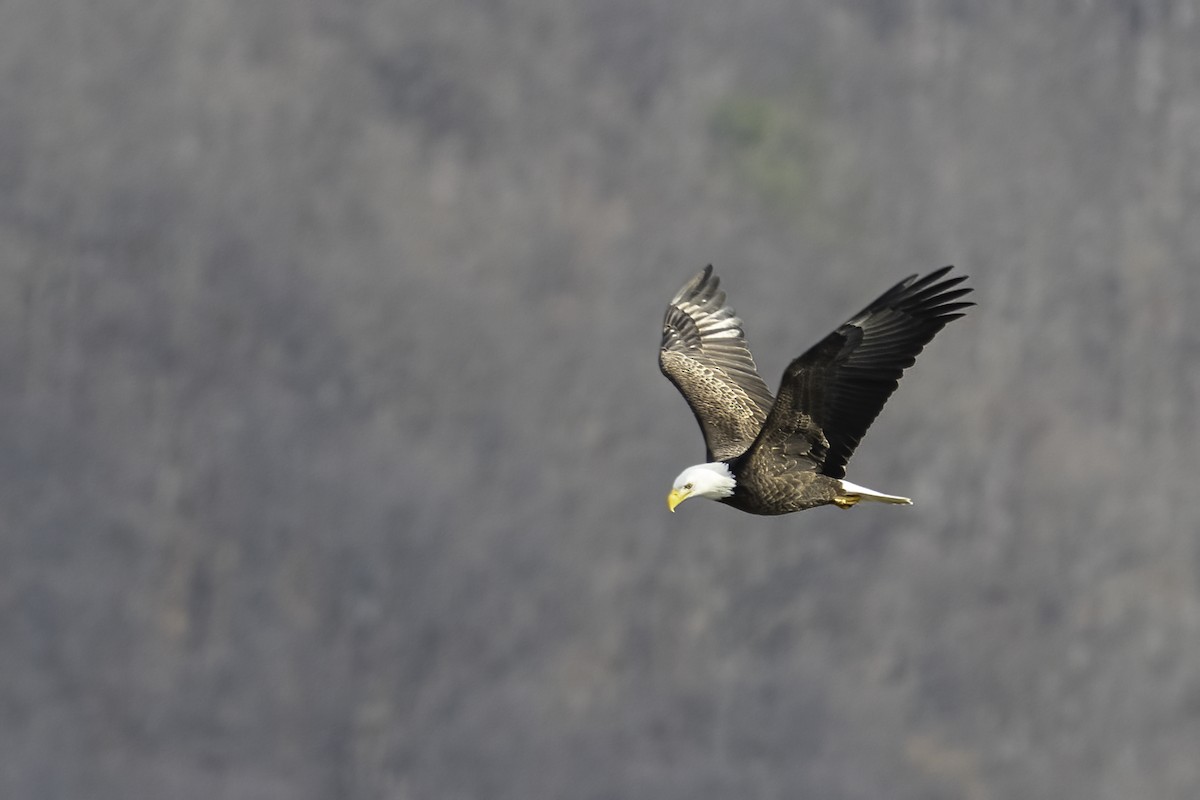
[775, 455]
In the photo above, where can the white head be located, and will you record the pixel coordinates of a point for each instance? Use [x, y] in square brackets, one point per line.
[703, 480]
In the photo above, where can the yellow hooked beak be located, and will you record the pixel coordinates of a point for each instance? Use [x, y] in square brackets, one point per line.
[676, 497]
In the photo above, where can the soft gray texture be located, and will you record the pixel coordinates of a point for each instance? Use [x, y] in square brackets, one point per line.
[333, 447]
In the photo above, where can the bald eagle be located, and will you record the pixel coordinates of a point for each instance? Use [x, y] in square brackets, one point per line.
[776, 455]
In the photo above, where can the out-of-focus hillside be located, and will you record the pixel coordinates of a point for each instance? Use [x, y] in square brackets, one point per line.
[333, 447]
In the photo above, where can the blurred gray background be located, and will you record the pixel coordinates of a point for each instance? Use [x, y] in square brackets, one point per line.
[333, 448]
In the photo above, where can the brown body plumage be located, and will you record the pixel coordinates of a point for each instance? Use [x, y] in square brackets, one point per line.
[777, 455]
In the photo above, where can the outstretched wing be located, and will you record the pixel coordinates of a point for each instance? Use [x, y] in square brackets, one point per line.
[830, 395]
[704, 354]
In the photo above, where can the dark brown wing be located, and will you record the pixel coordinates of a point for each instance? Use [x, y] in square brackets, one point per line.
[704, 354]
[830, 395]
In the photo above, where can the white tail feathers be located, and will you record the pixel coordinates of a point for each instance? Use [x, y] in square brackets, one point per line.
[862, 493]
